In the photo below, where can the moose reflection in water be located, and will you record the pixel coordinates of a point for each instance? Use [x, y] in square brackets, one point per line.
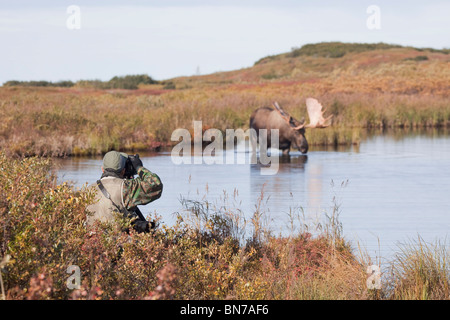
[296, 187]
[298, 198]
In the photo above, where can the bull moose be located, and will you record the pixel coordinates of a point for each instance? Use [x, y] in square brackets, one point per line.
[291, 131]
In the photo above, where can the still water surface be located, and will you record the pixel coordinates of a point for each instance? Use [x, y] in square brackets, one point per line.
[388, 190]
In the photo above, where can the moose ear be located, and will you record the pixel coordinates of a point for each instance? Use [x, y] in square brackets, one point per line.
[292, 121]
[297, 125]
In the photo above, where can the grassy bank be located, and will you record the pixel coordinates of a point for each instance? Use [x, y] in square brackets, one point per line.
[364, 86]
[53, 122]
[208, 254]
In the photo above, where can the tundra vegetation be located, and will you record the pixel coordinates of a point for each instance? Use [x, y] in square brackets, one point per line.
[365, 86]
[212, 251]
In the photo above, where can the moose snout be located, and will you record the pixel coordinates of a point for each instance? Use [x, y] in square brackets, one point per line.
[303, 146]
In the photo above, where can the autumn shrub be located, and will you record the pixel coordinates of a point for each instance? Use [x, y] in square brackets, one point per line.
[43, 233]
[213, 251]
[210, 253]
[41, 224]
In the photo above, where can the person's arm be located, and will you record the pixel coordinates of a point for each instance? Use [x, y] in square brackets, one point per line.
[147, 187]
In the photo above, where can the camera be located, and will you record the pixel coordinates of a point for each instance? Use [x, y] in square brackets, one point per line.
[130, 171]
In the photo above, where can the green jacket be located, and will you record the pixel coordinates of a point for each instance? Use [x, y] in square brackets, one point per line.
[124, 196]
[145, 188]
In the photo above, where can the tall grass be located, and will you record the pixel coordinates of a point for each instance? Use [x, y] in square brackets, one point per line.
[59, 123]
[420, 271]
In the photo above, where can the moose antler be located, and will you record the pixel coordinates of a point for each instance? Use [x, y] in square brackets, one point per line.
[283, 113]
[315, 114]
[287, 117]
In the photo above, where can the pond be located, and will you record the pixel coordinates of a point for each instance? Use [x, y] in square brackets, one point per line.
[386, 191]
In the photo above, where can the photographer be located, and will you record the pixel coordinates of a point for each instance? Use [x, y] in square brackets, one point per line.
[118, 192]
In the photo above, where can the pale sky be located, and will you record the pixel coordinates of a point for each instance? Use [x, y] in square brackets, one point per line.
[171, 38]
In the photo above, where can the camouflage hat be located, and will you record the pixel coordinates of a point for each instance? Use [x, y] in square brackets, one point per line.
[114, 160]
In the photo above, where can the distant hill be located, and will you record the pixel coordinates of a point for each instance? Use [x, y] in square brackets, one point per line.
[124, 82]
[331, 60]
[310, 63]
